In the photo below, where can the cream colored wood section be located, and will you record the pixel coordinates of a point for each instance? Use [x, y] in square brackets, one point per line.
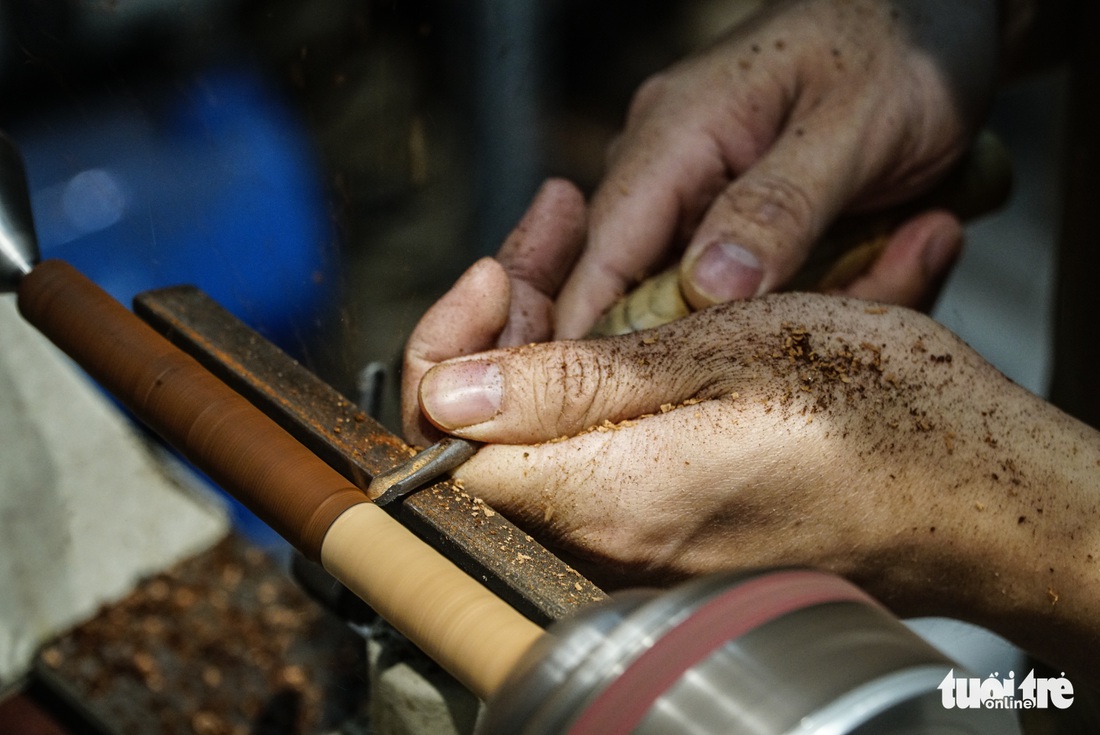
[470, 632]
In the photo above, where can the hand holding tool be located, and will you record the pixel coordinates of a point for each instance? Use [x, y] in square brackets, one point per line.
[978, 184]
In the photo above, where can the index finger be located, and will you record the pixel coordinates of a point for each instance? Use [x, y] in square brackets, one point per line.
[635, 216]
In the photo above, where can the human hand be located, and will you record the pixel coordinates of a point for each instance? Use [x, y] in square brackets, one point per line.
[791, 429]
[515, 299]
[499, 302]
[747, 152]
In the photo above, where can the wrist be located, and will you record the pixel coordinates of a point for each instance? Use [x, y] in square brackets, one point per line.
[1024, 556]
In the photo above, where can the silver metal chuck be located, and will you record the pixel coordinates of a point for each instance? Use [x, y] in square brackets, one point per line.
[18, 242]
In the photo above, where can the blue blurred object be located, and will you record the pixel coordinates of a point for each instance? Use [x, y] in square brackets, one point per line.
[210, 182]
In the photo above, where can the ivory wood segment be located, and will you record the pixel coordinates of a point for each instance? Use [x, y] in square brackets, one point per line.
[466, 629]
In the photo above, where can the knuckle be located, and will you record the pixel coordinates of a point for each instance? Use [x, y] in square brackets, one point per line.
[573, 380]
[532, 274]
[771, 203]
[648, 94]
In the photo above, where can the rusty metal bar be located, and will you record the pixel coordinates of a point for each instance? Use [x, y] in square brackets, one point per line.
[468, 532]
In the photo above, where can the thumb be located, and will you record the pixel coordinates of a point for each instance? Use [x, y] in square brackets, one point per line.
[758, 231]
[467, 319]
[539, 392]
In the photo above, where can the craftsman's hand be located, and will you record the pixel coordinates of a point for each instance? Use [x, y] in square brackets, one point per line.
[791, 429]
[499, 303]
[511, 300]
[745, 153]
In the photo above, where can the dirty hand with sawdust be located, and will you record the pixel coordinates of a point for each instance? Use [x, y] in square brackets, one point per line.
[743, 154]
[791, 429]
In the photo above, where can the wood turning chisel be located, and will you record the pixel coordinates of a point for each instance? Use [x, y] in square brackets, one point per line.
[425, 467]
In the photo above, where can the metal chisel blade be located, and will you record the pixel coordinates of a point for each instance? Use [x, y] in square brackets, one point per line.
[427, 466]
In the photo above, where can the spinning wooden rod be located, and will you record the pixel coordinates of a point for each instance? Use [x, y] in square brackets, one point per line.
[468, 630]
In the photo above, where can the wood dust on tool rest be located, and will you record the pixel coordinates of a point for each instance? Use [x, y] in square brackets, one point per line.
[469, 631]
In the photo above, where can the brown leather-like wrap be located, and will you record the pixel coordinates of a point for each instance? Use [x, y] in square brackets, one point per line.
[224, 435]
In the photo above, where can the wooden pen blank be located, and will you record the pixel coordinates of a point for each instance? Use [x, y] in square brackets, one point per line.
[462, 626]
[454, 619]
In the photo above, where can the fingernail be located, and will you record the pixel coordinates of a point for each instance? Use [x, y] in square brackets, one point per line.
[725, 272]
[462, 393]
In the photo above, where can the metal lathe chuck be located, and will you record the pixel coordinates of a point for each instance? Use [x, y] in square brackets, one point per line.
[788, 651]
